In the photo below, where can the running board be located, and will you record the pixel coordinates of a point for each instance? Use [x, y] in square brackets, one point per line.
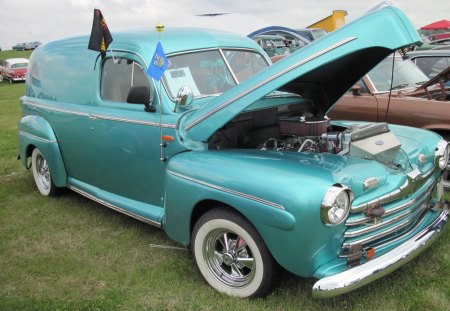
[116, 208]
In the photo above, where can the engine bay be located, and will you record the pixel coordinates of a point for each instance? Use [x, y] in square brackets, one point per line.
[290, 128]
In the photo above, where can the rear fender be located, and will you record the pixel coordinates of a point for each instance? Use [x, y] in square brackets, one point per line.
[36, 132]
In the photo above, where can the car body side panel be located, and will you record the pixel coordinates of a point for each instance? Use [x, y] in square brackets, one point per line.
[405, 110]
[366, 109]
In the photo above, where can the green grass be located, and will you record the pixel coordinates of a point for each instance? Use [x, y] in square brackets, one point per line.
[69, 253]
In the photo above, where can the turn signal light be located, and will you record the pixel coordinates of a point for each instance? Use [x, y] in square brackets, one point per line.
[370, 253]
[167, 138]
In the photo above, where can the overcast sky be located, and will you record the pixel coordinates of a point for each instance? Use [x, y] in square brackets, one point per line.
[45, 20]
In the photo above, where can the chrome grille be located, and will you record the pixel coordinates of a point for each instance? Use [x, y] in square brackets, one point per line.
[402, 214]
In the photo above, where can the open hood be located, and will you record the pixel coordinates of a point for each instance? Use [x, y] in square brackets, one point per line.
[322, 71]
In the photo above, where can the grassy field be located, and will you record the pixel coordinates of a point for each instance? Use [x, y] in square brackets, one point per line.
[68, 253]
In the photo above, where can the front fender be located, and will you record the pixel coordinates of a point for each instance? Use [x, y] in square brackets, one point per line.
[36, 132]
[281, 198]
[183, 193]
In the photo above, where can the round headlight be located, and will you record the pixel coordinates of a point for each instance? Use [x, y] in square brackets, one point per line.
[442, 154]
[335, 205]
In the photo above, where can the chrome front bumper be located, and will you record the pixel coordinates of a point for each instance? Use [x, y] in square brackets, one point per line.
[376, 268]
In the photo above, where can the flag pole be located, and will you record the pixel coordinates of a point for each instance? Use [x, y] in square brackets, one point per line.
[160, 28]
[112, 54]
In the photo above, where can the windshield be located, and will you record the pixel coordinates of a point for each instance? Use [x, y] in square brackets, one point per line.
[208, 73]
[406, 74]
[19, 65]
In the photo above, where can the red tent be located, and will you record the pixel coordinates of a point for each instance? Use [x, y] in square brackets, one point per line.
[443, 24]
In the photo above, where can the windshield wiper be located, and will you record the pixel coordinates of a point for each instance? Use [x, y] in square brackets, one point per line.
[422, 82]
[400, 86]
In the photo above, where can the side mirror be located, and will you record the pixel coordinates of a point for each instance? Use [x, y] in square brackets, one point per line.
[185, 97]
[140, 95]
[355, 90]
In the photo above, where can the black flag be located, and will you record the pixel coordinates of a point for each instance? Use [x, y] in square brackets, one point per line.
[100, 35]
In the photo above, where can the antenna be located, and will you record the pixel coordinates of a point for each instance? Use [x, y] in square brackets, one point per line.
[390, 89]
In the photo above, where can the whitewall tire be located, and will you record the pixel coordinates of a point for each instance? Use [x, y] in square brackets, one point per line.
[232, 256]
[41, 174]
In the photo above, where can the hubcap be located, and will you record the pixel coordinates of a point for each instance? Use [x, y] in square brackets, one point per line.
[43, 172]
[229, 258]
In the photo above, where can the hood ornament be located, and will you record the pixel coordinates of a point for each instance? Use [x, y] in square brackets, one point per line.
[369, 183]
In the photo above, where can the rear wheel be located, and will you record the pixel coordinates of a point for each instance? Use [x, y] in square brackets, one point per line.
[232, 256]
[41, 174]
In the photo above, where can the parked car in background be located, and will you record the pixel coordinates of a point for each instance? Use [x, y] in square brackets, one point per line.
[32, 45]
[376, 98]
[293, 38]
[26, 46]
[275, 46]
[431, 62]
[236, 157]
[438, 36]
[13, 69]
[312, 33]
[19, 47]
[440, 44]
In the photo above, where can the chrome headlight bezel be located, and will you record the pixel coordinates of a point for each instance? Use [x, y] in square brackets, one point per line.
[336, 205]
[441, 155]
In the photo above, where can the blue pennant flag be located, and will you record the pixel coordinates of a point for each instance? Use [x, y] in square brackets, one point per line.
[158, 64]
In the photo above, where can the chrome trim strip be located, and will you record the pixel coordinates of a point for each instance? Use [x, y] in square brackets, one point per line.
[394, 195]
[157, 124]
[113, 207]
[365, 230]
[35, 104]
[36, 137]
[383, 244]
[378, 267]
[389, 197]
[227, 63]
[300, 63]
[426, 192]
[377, 246]
[427, 174]
[386, 232]
[97, 116]
[230, 191]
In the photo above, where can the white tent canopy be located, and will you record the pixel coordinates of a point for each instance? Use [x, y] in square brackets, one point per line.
[233, 22]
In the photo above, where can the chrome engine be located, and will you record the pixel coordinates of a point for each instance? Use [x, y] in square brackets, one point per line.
[371, 141]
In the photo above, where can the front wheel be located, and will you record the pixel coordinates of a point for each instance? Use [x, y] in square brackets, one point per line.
[41, 174]
[232, 256]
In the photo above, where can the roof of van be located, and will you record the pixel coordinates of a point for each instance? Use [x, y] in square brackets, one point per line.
[173, 40]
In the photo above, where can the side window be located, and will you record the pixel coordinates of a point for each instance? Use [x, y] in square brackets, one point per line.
[118, 76]
[431, 66]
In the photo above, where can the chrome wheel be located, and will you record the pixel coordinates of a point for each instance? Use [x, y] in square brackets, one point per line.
[232, 256]
[41, 173]
[229, 258]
